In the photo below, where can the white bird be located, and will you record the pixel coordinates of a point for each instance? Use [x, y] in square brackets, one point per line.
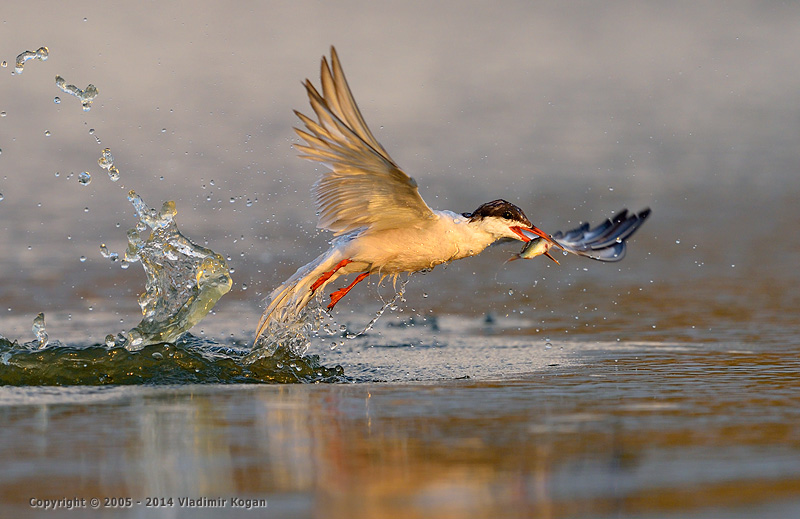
[380, 222]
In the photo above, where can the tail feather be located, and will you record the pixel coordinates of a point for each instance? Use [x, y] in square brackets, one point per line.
[288, 300]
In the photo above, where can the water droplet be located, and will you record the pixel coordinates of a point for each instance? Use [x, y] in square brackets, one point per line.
[39, 330]
[85, 96]
[677, 242]
[157, 355]
[106, 161]
[113, 256]
[4, 64]
[82, 259]
[57, 100]
[84, 178]
[2, 197]
[3, 113]
[41, 54]
[547, 345]
[47, 133]
[110, 342]
[510, 292]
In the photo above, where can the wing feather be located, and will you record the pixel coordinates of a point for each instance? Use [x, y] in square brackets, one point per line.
[364, 188]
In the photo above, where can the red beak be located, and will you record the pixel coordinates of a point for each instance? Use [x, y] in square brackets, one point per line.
[533, 230]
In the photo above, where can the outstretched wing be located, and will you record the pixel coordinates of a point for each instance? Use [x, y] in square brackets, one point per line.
[606, 242]
[364, 187]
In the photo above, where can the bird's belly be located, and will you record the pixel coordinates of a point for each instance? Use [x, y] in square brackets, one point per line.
[394, 252]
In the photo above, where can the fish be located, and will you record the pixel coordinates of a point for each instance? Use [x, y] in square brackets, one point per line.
[536, 247]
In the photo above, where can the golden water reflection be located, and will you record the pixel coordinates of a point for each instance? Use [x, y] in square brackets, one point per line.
[644, 432]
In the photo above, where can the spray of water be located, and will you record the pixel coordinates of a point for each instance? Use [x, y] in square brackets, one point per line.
[184, 280]
[42, 53]
[86, 95]
[295, 335]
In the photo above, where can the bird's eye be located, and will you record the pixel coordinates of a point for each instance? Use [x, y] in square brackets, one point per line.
[507, 215]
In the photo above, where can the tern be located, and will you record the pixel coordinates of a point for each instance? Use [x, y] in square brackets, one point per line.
[381, 224]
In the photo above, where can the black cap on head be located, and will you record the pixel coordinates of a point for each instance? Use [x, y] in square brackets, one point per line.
[500, 209]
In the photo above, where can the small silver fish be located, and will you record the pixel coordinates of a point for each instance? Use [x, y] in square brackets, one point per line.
[535, 247]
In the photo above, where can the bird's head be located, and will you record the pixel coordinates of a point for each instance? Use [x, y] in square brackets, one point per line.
[504, 220]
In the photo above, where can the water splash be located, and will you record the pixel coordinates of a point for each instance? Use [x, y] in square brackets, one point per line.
[40, 331]
[86, 96]
[42, 53]
[190, 360]
[106, 161]
[295, 335]
[184, 280]
[387, 305]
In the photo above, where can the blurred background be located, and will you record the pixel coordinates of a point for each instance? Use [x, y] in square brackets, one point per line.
[572, 111]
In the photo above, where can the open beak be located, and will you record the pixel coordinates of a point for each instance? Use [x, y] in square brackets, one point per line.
[520, 231]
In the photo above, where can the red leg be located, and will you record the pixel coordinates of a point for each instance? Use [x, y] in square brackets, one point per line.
[336, 296]
[327, 275]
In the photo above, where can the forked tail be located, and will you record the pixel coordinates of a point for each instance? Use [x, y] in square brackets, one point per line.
[288, 300]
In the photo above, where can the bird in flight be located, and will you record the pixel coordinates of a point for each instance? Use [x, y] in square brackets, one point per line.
[380, 222]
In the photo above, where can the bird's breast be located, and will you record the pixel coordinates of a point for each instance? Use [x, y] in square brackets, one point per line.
[416, 248]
